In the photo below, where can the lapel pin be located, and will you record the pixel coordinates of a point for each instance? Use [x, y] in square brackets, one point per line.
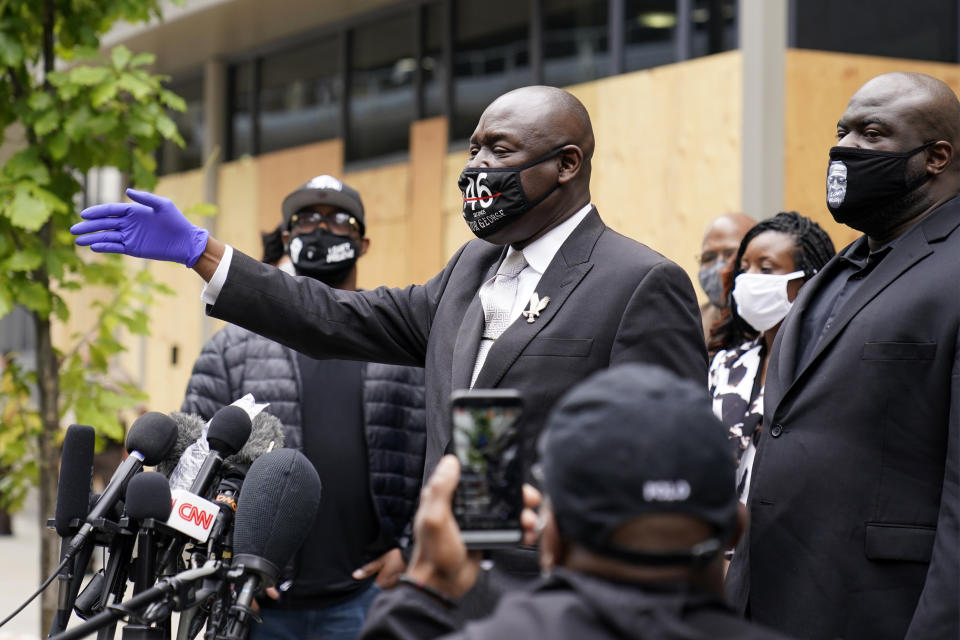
[537, 304]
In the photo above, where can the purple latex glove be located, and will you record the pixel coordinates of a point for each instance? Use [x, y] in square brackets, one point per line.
[149, 227]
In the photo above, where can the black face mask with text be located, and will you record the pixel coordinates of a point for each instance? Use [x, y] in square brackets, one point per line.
[326, 256]
[862, 181]
[493, 197]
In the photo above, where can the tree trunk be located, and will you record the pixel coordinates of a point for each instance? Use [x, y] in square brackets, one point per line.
[48, 379]
[6, 523]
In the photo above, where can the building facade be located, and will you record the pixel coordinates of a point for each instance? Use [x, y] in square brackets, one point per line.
[699, 107]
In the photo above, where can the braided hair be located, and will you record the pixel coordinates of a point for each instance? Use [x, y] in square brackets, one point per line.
[813, 250]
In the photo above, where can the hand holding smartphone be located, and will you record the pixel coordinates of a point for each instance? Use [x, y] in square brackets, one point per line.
[486, 439]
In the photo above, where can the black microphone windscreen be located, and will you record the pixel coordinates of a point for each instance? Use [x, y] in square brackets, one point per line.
[267, 430]
[153, 434]
[277, 507]
[76, 470]
[148, 496]
[189, 428]
[229, 430]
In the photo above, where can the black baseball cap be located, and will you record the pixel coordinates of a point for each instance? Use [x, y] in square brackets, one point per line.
[634, 440]
[324, 189]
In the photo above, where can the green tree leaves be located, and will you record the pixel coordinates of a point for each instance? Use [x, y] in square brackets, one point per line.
[95, 110]
[11, 50]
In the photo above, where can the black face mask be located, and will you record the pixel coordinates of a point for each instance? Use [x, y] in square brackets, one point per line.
[326, 256]
[861, 182]
[494, 197]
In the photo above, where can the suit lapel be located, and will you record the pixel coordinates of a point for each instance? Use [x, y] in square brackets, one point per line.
[789, 334]
[566, 270]
[908, 252]
[468, 336]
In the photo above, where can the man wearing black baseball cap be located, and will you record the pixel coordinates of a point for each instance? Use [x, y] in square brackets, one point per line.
[360, 424]
[640, 505]
[324, 231]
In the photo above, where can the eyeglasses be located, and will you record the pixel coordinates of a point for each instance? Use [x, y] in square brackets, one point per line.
[339, 222]
[709, 257]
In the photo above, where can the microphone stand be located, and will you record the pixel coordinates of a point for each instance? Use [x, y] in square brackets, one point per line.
[143, 578]
[115, 578]
[69, 580]
[174, 588]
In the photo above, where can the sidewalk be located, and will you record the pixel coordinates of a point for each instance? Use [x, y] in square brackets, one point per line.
[20, 573]
[20, 576]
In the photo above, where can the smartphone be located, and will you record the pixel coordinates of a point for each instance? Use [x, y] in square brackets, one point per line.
[486, 439]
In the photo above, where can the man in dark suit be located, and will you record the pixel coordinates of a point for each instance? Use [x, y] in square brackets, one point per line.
[600, 298]
[854, 501]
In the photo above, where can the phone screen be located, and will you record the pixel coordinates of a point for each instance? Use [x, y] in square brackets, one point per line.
[489, 498]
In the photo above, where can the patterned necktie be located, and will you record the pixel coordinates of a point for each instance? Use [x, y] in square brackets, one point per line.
[497, 296]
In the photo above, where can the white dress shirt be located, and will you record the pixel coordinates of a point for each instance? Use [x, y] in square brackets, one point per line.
[539, 254]
[211, 290]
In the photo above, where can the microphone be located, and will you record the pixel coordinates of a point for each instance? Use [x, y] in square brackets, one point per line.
[171, 588]
[76, 472]
[275, 512]
[193, 514]
[189, 428]
[148, 498]
[149, 441]
[266, 434]
[73, 502]
[229, 430]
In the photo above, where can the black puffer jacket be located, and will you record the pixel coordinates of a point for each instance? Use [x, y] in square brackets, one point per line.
[235, 362]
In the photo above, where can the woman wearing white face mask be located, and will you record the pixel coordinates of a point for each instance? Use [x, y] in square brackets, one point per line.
[775, 258]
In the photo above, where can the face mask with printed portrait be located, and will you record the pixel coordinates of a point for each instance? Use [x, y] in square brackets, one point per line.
[861, 182]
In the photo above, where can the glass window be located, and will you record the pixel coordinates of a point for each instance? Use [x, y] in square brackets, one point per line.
[650, 27]
[714, 27]
[170, 157]
[299, 96]
[432, 62]
[575, 42]
[381, 105]
[240, 95]
[491, 56]
[921, 29]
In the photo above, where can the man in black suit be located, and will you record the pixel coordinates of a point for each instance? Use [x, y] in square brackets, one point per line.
[854, 502]
[596, 297]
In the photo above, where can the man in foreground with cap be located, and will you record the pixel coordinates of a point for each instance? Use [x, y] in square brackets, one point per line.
[640, 506]
[361, 425]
